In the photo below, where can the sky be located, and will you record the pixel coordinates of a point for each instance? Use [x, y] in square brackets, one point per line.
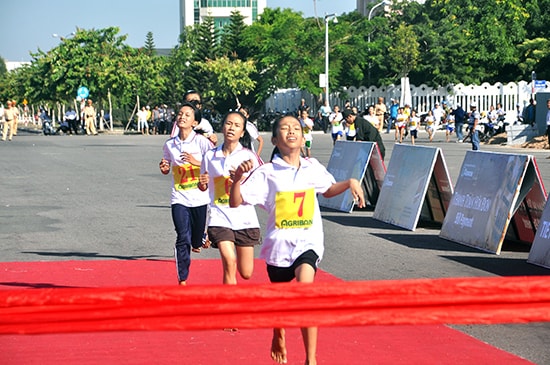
[32, 22]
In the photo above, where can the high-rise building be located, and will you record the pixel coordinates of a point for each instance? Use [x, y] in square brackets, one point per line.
[194, 11]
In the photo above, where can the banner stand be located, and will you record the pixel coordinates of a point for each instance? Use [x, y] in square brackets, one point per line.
[359, 160]
[417, 186]
[497, 196]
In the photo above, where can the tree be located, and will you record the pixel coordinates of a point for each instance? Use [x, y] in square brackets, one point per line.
[277, 45]
[231, 38]
[404, 51]
[468, 41]
[232, 77]
[149, 44]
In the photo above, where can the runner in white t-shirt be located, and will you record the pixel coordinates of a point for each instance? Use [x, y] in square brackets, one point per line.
[183, 155]
[234, 231]
[287, 189]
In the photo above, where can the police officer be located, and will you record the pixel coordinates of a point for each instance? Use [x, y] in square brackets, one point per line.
[89, 118]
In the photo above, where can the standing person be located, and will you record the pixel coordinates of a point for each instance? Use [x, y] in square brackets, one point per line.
[307, 127]
[287, 189]
[323, 114]
[70, 117]
[336, 120]
[393, 114]
[183, 154]
[380, 111]
[414, 122]
[548, 122]
[303, 106]
[365, 131]
[252, 131]
[234, 231]
[439, 114]
[204, 127]
[8, 121]
[15, 116]
[156, 120]
[473, 123]
[371, 117]
[459, 115]
[143, 126]
[89, 118]
[529, 113]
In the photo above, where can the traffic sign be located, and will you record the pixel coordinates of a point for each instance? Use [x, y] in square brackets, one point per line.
[83, 92]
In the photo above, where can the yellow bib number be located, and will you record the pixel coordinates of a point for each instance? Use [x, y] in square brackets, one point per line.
[294, 209]
[186, 176]
[222, 184]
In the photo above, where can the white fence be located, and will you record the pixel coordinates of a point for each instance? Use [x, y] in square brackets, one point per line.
[423, 96]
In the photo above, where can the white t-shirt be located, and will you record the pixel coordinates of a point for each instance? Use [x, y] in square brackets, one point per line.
[307, 127]
[289, 195]
[186, 176]
[336, 120]
[253, 132]
[204, 125]
[218, 168]
[414, 123]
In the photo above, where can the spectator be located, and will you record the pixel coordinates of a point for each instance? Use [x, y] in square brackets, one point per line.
[380, 111]
[393, 114]
[324, 113]
[529, 113]
[365, 131]
[459, 115]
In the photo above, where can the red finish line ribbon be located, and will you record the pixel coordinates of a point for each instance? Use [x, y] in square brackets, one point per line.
[421, 301]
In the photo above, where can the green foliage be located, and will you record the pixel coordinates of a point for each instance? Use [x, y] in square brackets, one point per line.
[438, 42]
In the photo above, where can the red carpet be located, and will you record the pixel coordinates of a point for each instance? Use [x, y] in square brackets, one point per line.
[427, 344]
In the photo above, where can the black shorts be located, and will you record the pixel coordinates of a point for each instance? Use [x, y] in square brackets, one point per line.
[286, 274]
[241, 237]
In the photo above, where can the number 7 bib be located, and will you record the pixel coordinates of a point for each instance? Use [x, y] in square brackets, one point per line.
[294, 209]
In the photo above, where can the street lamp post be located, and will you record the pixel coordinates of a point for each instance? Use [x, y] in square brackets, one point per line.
[383, 2]
[328, 17]
[55, 35]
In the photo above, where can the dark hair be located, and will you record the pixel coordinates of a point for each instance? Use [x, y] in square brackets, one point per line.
[245, 140]
[198, 114]
[191, 92]
[275, 129]
[245, 108]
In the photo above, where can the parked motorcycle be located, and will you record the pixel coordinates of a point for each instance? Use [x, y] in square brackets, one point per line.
[47, 125]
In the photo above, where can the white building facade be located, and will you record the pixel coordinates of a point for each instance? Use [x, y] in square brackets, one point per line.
[194, 11]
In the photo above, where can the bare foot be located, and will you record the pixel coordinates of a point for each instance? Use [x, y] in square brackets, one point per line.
[183, 282]
[278, 346]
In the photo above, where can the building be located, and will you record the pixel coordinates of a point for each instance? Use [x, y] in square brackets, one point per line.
[194, 11]
[12, 65]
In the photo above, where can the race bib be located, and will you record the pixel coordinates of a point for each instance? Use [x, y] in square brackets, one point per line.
[294, 209]
[222, 184]
[186, 176]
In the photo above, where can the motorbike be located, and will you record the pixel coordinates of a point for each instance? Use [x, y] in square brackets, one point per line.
[490, 128]
[47, 127]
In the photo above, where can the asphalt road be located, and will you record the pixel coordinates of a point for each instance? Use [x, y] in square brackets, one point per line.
[103, 197]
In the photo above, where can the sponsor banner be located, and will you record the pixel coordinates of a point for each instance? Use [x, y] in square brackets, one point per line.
[494, 192]
[351, 159]
[417, 184]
